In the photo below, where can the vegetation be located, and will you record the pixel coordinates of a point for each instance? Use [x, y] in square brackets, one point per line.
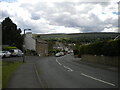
[79, 37]
[30, 52]
[7, 48]
[0, 73]
[8, 67]
[11, 35]
[107, 48]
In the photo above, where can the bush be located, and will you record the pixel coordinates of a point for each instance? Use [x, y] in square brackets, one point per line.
[108, 48]
[7, 48]
[76, 52]
[30, 52]
[76, 49]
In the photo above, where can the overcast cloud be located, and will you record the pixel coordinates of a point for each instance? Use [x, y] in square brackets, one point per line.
[62, 16]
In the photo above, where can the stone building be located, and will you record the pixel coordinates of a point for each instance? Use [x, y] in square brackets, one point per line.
[41, 47]
[36, 44]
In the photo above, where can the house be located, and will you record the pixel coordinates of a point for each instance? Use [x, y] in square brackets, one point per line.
[41, 47]
[30, 43]
[36, 44]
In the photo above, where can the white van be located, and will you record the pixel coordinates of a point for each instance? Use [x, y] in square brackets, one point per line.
[16, 52]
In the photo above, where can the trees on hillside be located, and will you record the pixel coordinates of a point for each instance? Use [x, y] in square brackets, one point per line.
[10, 34]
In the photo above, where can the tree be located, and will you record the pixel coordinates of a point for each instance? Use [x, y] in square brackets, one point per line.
[10, 34]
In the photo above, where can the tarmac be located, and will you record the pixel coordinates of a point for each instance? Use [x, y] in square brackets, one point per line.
[96, 65]
[27, 75]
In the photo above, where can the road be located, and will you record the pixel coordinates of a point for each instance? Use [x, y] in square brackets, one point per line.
[62, 72]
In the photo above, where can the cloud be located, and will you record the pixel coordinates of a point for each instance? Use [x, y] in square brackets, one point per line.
[63, 16]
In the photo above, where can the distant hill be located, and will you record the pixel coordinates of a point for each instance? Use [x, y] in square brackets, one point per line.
[79, 35]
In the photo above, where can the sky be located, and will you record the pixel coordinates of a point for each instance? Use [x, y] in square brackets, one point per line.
[62, 16]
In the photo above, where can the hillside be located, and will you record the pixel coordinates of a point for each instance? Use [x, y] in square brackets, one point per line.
[79, 35]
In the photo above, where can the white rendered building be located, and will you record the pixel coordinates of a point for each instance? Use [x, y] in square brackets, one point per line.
[30, 43]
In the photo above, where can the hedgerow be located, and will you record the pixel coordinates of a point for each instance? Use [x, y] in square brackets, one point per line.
[107, 48]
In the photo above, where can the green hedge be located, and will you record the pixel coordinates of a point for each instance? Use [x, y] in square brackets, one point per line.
[108, 48]
[7, 48]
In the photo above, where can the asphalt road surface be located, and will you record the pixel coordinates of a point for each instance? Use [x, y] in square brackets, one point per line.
[62, 72]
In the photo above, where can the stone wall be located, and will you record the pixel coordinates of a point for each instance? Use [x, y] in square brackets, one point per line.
[106, 60]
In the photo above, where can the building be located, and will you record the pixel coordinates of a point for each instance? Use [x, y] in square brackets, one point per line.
[41, 47]
[36, 44]
[30, 43]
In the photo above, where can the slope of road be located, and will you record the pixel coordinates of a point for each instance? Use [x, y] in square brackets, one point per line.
[62, 72]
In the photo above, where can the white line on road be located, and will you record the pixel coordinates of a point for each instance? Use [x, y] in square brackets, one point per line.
[97, 79]
[37, 74]
[69, 69]
[58, 62]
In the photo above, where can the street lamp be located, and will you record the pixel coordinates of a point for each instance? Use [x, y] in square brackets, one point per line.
[24, 44]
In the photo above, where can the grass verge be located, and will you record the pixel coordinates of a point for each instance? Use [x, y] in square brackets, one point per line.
[0, 74]
[8, 67]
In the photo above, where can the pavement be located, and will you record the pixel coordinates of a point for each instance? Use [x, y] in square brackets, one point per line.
[26, 75]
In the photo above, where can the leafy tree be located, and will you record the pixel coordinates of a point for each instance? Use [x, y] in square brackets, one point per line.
[10, 34]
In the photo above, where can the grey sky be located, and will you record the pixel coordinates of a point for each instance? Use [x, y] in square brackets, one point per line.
[62, 17]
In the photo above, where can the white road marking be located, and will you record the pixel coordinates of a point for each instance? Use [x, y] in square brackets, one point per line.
[97, 79]
[58, 62]
[37, 74]
[69, 69]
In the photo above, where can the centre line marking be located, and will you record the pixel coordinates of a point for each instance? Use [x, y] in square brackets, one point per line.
[58, 62]
[69, 69]
[97, 79]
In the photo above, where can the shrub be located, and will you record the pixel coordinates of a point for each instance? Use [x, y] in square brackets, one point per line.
[108, 48]
[30, 52]
[7, 48]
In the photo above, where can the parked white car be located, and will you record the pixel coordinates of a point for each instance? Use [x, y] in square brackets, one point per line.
[5, 54]
[61, 53]
[16, 52]
[57, 54]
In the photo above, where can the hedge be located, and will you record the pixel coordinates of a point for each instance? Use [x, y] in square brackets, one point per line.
[107, 48]
[7, 48]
